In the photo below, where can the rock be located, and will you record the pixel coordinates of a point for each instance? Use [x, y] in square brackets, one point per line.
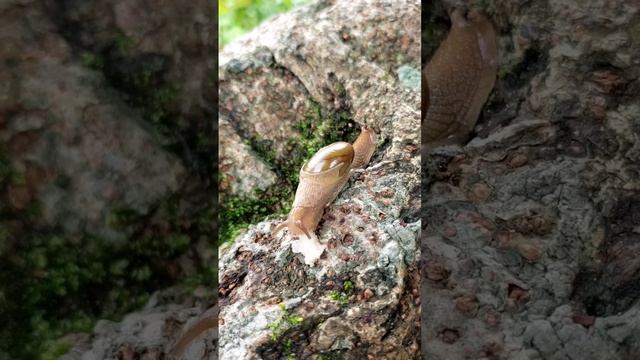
[371, 229]
[150, 333]
[244, 172]
[557, 147]
[73, 129]
[86, 91]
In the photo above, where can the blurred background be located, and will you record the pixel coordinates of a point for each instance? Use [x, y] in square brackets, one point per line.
[238, 17]
[107, 164]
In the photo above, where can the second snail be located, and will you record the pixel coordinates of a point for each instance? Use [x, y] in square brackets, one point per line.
[458, 79]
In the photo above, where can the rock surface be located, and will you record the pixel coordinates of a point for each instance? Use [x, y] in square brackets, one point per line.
[150, 333]
[531, 231]
[359, 300]
[106, 111]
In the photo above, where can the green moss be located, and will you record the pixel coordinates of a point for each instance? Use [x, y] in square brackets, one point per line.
[237, 213]
[284, 322]
[54, 349]
[65, 288]
[342, 297]
[348, 287]
[52, 284]
[92, 60]
[123, 43]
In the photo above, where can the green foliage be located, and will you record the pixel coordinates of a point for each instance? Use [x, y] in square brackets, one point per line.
[237, 17]
[342, 297]
[284, 322]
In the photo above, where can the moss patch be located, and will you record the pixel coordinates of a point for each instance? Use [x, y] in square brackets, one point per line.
[66, 284]
[342, 297]
[53, 284]
[284, 322]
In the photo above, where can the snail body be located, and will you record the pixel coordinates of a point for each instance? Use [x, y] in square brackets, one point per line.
[458, 79]
[321, 179]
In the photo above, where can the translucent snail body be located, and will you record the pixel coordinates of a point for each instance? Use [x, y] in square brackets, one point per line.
[321, 179]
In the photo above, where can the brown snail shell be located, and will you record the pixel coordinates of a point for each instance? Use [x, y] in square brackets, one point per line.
[322, 178]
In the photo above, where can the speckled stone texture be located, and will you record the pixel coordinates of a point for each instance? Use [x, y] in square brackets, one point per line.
[531, 232]
[360, 299]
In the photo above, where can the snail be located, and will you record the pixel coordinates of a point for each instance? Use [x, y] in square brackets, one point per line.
[321, 179]
[458, 79]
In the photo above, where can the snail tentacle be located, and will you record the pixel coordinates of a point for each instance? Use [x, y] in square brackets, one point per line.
[301, 226]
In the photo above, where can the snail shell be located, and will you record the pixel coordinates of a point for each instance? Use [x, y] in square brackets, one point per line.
[458, 79]
[321, 179]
